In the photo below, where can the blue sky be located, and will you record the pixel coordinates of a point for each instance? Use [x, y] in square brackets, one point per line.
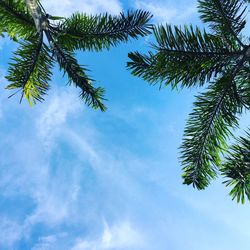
[77, 179]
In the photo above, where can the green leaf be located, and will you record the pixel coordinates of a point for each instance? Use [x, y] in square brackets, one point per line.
[206, 132]
[236, 169]
[92, 96]
[226, 18]
[186, 56]
[82, 31]
[16, 20]
[30, 70]
[243, 86]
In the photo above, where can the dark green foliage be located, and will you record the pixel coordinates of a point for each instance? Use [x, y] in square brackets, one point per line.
[15, 19]
[186, 57]
[225, 17]
[243, 86]
[206, 131]
[30, 69]
[236, 169]
[81, 31]
[76, 74]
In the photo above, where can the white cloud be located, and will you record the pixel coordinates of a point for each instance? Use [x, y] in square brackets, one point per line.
[118, 236]
[160, 13]
[28, 172]
[111, 167]
[48, 242]
[56, 190]
[54, 115]
[45, 242]
[61, 198]
[167, 12]
[67, 7]
[52, 207]
[10, 231]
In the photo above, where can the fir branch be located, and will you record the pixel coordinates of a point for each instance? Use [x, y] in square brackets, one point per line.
[242, 80]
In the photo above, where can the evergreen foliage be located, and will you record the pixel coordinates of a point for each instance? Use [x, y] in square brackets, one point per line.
[217, 59]
[16, 20]
[236, 169]
[56, 40]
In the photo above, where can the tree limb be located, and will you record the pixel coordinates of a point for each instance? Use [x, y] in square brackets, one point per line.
[36, 12]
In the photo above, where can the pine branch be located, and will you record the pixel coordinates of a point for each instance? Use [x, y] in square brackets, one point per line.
[183, 56]
[82, 31]
[30, 70]
[236, 169]
[15, 19]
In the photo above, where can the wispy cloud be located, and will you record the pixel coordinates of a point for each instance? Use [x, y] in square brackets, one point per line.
[10, 231]
[84, 194]
[81, 180]
[67, 7]
[62, 165]
[167, 11]
[55, 190]
[50, 242]
[54, 115]
[119, 236]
